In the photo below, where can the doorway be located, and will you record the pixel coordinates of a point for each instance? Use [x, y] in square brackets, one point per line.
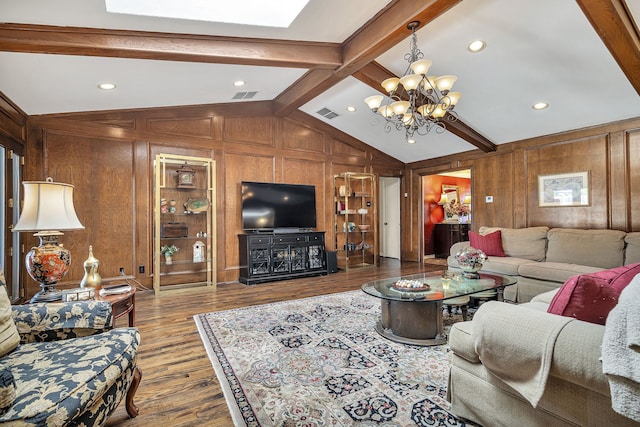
[433, 188]
[389, 208]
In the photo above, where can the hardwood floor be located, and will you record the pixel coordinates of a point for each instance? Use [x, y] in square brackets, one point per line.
[179, 386]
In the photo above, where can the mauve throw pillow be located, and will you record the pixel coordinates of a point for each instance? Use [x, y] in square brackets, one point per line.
[590, 297]
[490, 244]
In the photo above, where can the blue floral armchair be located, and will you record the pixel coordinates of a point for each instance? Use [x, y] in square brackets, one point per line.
[70, 368]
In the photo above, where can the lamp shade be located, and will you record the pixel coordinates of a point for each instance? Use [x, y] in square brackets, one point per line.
[48, 206]
[444, 199]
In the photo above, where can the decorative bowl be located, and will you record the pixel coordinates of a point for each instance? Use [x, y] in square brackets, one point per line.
[470, 261]
[363, 227]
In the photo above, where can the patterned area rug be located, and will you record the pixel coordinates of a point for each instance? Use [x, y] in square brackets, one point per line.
[318, 362]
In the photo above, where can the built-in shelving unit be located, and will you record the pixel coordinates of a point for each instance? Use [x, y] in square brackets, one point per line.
[184, 211]
[356, 220]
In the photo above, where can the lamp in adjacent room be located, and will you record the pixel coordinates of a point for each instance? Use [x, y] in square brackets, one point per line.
[48, 209]
[444, 199]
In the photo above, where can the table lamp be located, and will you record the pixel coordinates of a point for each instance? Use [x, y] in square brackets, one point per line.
[48, 209]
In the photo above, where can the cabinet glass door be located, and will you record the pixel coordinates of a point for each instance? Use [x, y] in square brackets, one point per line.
[184, 232]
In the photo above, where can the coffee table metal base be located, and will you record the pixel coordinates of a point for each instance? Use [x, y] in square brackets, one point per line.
[412, 322]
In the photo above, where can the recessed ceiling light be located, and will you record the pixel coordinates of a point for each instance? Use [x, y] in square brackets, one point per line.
[539, 105]
[106, 86]
[239, 83]
[411, 141]
[476, 46]
[351, 108]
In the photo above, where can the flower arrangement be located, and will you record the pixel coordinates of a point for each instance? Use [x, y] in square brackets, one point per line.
[454, 208]
[169, 250]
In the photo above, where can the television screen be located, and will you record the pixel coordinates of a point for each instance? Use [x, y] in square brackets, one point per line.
[272, 206]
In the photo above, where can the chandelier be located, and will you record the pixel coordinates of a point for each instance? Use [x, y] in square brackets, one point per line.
[416, 102]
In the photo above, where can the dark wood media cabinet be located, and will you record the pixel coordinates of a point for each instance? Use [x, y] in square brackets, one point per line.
[266, 257]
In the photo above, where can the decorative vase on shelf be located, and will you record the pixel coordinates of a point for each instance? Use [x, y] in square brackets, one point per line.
[168, 259]
[470, 261]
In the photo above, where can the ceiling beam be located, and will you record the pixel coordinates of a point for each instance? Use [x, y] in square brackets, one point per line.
[381, 33]
[614, 24]
[168, 46]
[374, 74]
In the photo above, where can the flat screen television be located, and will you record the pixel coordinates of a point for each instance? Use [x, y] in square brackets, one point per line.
[268, 206]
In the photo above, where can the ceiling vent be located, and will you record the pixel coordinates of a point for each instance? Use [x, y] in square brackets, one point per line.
[327, 113]
[245, 95]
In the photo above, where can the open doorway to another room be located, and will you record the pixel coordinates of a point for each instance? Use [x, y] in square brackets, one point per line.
[450, 190]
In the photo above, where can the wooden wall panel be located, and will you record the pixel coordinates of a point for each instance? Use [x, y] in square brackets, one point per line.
[493, 176]
[300, 171]
[588, 154]
[238, 168]
[102, 172]
[302, 138]
[339, 148]
[250, 130]
[198, 126]
[633, 168]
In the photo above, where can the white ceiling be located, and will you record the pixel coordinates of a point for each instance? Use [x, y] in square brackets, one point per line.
[543, 50]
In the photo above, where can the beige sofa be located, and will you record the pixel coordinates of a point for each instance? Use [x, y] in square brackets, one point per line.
[507, 337]
[542, 259]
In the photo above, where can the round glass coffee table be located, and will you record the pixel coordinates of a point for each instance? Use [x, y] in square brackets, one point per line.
[412, 305]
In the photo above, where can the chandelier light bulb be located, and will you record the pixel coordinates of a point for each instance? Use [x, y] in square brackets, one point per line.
[445, 83]
[421, 66]
[390, 84]
[429, 83]
[454, 97]
[439, 111]
[386, 111]
[410, 81]
[400, 107]
[374, 102]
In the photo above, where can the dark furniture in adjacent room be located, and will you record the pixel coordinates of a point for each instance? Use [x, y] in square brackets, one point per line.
[446, 234]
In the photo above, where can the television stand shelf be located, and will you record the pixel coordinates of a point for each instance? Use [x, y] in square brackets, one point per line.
[265, 257]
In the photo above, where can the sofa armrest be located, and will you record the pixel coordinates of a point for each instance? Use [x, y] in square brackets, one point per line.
[575, 353]
[56, 321]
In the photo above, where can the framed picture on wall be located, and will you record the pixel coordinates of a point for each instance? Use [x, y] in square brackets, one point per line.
[566, 189]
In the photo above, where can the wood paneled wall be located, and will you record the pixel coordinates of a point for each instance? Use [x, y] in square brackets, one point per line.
[109, 158]
[611, 154]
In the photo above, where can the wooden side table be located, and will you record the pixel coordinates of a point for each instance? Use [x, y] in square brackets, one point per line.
[122, 304]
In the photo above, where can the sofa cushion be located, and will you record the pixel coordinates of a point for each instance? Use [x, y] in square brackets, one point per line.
[590, 297]
[554, 271]
[597, 248]
[59, 380]
[7, 389]
[632, 251]
[9, 337]
[529, 243]
[490, 244]
[503, 265]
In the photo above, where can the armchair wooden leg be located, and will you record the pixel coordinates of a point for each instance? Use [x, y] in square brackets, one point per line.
[132, 409]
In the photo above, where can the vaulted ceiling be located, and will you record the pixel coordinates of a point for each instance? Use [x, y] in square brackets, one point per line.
[582, 57]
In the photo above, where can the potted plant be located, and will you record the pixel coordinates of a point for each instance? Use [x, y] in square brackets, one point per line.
[168, 251]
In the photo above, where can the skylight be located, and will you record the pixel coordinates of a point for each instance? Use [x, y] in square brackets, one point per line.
[266, 13]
